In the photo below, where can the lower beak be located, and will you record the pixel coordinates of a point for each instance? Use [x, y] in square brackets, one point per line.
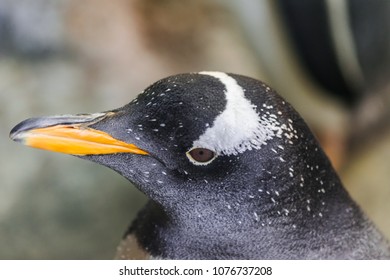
[71, 134]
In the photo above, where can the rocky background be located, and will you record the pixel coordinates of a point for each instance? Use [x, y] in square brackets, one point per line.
[68, 56]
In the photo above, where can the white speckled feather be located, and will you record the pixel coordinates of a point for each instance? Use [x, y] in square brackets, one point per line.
[239, 127]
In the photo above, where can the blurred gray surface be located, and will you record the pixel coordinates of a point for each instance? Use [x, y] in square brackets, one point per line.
[99, 55]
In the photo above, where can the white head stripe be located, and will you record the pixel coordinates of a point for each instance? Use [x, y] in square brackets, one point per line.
[238, 128]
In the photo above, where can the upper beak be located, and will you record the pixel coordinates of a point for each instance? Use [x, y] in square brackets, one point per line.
[71, 134]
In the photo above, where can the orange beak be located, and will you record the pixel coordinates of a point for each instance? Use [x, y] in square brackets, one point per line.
[71, 135]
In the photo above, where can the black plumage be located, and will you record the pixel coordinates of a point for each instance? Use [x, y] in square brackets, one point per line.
[267, 191]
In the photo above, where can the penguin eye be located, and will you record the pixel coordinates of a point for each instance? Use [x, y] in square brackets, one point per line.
[200, 156]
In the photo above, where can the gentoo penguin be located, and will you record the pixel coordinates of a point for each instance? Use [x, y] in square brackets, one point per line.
[231, 169]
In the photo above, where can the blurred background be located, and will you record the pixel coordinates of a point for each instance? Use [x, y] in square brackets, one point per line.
[329, 58]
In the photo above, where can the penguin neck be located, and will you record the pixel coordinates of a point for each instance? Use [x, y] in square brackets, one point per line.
[304, 194]
[300, 183]
[242, 229]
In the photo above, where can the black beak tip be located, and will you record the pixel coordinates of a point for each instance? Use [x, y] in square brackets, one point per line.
[16, 132]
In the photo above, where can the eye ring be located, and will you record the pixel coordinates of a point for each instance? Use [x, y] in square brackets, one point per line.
[201, 156]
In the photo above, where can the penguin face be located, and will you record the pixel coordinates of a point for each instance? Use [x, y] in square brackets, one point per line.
[202, 133]
[207, 139]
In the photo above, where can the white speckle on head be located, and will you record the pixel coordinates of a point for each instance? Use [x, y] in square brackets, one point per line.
[239, 127]
[256, 216]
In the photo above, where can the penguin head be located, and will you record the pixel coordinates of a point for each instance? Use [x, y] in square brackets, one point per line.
[200, 145]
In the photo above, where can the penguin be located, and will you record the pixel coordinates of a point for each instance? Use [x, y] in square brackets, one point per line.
[230, 169]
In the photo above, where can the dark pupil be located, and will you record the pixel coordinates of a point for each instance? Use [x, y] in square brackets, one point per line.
[202, 155]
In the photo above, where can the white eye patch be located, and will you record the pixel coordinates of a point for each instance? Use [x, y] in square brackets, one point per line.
[239, 127]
